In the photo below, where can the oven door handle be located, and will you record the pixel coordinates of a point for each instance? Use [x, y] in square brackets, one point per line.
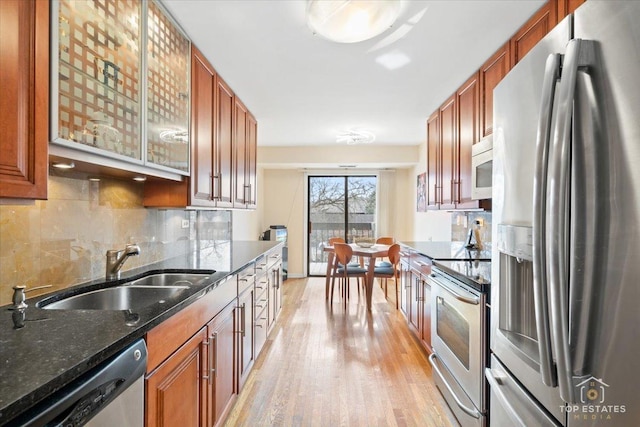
[469, 411]
[469, 300]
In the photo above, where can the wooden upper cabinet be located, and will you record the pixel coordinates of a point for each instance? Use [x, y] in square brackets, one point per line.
[491, 73]
[533, 31]
[252, 152]
[240, 156]
[224, 140]
[224, 155]
[24, 102]
[203, 79]
[468, 133]
[448, 125]
[565, 7]
[433, 163]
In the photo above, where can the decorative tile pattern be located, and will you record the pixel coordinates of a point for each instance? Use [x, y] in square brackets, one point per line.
[99, 72]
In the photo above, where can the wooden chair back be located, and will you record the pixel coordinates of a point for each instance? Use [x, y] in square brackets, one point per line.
[385, 241]
[394, 254]
[334, 240]
[343, 252]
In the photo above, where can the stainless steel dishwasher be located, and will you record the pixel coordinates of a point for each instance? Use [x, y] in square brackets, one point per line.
[111, 394]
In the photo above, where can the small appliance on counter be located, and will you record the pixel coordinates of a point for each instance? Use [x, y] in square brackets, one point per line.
[279, 233]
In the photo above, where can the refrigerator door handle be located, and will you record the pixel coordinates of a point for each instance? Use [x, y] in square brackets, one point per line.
[540, 296]
[579, 54]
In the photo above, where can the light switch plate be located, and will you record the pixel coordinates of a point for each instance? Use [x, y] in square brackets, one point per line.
[185, 223]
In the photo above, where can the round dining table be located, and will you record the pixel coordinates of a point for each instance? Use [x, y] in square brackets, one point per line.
[372, 253]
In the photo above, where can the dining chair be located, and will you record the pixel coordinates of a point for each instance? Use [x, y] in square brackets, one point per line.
[345, 271]
[384, 241]
[391, 271]
[334, 262]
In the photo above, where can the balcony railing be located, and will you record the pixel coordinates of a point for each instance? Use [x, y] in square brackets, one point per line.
[319, 237]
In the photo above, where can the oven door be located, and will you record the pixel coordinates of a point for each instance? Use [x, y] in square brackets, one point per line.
[457, 331]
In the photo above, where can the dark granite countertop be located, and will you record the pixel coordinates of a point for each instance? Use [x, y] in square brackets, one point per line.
[449, 251]
[44, 350]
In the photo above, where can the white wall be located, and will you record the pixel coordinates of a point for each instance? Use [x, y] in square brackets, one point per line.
[425, 226]
[247, 225]
[282, 199]
[283, 204]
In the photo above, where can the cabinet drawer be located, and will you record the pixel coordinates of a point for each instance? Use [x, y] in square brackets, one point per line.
[261, 286]
[262, 263]
[261, 303]
[165, 338]
[246, 278]
[261, 329]
[421, 264]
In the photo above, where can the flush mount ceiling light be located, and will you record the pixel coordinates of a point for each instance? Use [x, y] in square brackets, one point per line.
[352, 137]
[351, 21]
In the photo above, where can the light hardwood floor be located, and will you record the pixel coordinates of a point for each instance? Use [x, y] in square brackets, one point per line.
[325, 365]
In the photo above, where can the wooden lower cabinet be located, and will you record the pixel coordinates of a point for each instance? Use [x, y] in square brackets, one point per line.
[414, 311]
[223, 391]
[275, 292]
[415, 294]
[405, 281]
[176, 391]
[200, 358]
[425, 333]
[244, 332]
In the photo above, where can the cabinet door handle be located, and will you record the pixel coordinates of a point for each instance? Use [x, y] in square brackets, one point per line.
[209, 356]
[213, 187]
[240, 330]
[242, 317]
[216, 186]
[214, 364]
[247, 193]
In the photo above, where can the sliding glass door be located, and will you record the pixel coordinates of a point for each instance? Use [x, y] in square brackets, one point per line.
[339, 206]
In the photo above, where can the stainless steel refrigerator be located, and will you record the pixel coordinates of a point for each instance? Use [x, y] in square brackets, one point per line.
[565, 303]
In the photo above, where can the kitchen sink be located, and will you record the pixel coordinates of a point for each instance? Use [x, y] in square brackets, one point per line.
[169, 279]
[134, 295]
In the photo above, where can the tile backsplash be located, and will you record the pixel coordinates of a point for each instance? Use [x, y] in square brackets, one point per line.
[62, 241]
[462, 221]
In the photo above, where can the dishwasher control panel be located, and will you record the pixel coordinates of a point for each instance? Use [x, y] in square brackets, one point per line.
[91, 404]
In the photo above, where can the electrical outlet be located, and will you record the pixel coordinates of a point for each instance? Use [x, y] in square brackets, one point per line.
[185, 223]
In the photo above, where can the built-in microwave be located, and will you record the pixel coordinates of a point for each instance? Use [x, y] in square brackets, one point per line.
[481, 168]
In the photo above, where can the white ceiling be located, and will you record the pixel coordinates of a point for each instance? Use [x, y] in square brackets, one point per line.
[304, 89]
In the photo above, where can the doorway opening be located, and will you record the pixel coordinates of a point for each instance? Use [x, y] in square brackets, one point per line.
[339, 206]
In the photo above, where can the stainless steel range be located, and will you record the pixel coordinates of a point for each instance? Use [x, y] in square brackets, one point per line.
[459, 293]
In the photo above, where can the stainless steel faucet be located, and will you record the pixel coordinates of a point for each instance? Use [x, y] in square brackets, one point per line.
[116, 258]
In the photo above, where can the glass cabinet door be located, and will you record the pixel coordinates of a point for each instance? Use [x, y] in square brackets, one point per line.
[99, 75]
[168, 60]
